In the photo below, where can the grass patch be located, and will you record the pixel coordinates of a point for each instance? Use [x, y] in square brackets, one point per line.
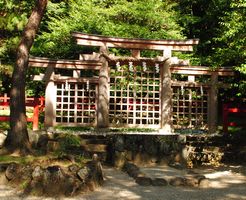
[93, 129]
[17, 159]
[74, 129]
[4, 125]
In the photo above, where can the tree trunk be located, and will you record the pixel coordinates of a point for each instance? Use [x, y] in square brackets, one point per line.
[17, 139]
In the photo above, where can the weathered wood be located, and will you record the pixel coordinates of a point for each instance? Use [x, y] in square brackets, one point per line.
[64, 64]
[76, 80]
[200, 70]
[167, 53]
[189, 84]
[103, 93]
[213, 104]
[50, 98]
[93, 57]
[115, 42]
[136, 53]
[166, 98]
[191, 78]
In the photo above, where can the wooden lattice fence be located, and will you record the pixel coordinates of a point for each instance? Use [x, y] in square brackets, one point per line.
[134, 94]
[190, 107]
[76, 103]
[130, 91]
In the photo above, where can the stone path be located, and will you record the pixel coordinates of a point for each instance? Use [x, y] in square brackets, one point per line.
[223, 185]
[227, 184]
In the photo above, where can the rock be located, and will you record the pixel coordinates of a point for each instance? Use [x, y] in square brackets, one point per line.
[199, 177]
[204, 183]
[132, 170]
[119, 159]
[71, 185]
[38, 173]
[159, 182]
[129, 155]
[34, 136]
[73, 168]
[176, 165]
[95, 157]
[84, 174]
[68, 157]
[177, 181]
[143, 181]
[136, 174]
[96, 172]
[130, 166]
[52, 145]
[12, 171]
[54, 180]
[42, 142]
[191, 181]
[26, 172]
[3, 136]
[55, 172]
[119, 144]
[3, 167]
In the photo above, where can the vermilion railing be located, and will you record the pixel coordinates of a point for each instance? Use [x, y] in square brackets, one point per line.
[227, 109]
[38, 105]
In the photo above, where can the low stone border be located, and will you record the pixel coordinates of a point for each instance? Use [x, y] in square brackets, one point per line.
[142, 179]
[191, 180]
[53, 180]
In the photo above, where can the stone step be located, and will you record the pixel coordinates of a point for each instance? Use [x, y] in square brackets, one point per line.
[97, 148]
[94, 141]
[96, 137]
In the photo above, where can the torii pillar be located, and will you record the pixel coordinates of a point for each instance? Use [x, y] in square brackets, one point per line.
[166, 94]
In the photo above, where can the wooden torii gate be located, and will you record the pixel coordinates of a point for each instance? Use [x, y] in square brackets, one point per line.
[100, 61]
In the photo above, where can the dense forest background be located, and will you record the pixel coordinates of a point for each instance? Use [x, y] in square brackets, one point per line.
[219, 24]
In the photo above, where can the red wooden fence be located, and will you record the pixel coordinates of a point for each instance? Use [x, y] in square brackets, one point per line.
[37, 104]
[227, 109]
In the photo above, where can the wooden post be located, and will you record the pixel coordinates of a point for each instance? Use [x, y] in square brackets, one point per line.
[76, 73]
[225, 117]
[167, 53]
[50, 98]
[166, 98]
[35, 114]
[103, 93]
[213, 104]
[135, 53]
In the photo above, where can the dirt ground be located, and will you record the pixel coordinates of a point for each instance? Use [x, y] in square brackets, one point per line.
[228, 183]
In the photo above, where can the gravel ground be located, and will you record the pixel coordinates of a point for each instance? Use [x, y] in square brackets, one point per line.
[225, 184]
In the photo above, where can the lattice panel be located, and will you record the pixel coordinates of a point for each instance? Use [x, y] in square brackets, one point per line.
[190, 107]
[76, 103]
[135, 95]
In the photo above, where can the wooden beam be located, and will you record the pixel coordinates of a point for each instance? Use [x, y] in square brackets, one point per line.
[201, 70]
[64, 64]
[76, 80]
[116, 42]
[189, 84]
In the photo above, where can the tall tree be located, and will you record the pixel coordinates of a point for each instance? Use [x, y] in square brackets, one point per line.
[17, 139]
[13, 18]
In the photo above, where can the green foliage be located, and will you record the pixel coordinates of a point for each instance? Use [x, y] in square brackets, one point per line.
[221, 27]
[4, 125]
[68, 141]
[13, 18]
[219, 24]
[148, 19]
